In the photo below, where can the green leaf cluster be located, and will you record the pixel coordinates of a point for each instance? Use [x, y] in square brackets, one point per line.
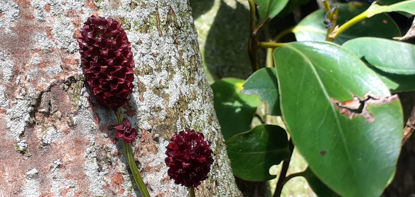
[337, 99]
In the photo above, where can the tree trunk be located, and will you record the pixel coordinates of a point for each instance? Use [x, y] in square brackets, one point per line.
[55, 139]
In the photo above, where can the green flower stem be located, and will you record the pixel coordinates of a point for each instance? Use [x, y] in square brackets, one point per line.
[131, 162]
[192, 192]
[271, 44]
[134, 170]
[337, 31]
[119, 115]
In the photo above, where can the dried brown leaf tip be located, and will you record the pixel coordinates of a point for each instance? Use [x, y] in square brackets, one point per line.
[107, 61]
[358, 106]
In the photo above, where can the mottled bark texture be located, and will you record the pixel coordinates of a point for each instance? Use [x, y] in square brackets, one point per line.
[55, 139]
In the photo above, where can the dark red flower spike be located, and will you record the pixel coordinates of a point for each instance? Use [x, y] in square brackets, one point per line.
[107, 61]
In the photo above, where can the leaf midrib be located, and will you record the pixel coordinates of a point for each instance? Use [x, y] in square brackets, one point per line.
[340, 129]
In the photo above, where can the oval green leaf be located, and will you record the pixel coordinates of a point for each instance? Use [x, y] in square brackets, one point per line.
[269, 8]
[312, 28]
[351, 146]
[396, 83]
[386, 55]
[404, 6]
[264, 84]
[252, 153]
[233, 109]
[388, 2]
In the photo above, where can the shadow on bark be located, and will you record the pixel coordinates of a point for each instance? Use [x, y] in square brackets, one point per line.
[107, 119]
[200, 7]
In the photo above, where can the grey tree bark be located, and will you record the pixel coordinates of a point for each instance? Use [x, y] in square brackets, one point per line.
[55, 139]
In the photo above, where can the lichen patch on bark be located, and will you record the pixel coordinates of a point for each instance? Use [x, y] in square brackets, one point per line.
[49, 122]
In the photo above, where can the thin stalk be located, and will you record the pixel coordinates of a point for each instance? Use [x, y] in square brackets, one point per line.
[273, 43]
[252, 9]
[134, 170]
[281, 178]
[270, 59]
[337, 31]
[270, 44]
[192, 192]
[326, 5]
[283, 173]
[131, 162]
[260, 118]
[252, 44]
[289, 177]
[283, 33]
[410, 127]
[119, 115]
[332, 16]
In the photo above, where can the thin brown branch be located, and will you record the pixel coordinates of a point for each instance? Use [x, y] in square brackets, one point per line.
[409, 127]
[283, 173]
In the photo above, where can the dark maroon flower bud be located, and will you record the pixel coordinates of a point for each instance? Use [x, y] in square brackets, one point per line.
[124, 131]
[107, 60]
[189, 158]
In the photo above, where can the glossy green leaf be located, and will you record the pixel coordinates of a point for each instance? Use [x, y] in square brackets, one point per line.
[393, 61]
[386, 55]
[353, 155]
[269, 8]
[312, 28]
[404, 6]
[264, 84]
[318, 187]
[252, 153]
[233, 109]
[397, 83]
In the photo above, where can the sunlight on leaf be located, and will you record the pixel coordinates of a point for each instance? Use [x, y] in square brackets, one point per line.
[233, 109]
[351, 146]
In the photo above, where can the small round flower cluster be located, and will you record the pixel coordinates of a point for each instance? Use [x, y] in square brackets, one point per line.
[189, 158]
